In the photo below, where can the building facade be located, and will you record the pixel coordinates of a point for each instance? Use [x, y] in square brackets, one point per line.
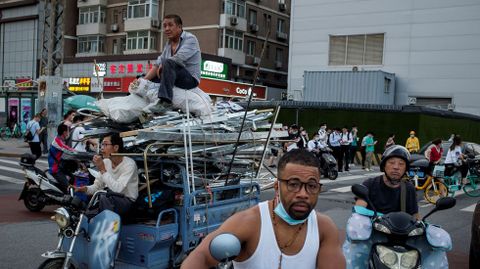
[124, 38]
[432, 47]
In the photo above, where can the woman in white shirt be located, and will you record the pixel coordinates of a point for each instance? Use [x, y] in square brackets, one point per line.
[455, 160]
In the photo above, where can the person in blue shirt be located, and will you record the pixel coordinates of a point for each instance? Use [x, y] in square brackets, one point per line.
[33, 127]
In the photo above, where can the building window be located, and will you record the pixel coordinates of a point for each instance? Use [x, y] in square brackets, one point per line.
[91, 15]
[142, 8]
[281, 26]
[252, 16]
[115, 16]
[279, 55]
[234, 7]
[232, 40]
[91, 44]
[356, 50]
[251, 48]
[141, 40]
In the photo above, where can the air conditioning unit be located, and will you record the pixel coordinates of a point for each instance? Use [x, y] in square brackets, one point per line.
[155, 23]
[254, 27]
[278, 64]
[281, 35]
[451, 107]
[412, 100]
[282, 6]
[256, 60]
[233, 20]
[114, 27]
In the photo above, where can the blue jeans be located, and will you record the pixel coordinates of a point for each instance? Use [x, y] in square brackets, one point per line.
[172, 75]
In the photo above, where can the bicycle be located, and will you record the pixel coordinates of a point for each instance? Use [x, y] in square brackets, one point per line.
[472, 186]
[433, 189]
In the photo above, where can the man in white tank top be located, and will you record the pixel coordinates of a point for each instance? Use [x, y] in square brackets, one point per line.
[285, 232]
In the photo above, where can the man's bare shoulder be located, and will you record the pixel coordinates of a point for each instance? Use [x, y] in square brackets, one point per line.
[325, 224]
[247, 216]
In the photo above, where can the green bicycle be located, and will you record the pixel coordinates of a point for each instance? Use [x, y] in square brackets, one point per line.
[472, 186]
[6, 132]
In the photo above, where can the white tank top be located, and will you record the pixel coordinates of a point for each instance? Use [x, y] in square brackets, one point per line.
[267, 254]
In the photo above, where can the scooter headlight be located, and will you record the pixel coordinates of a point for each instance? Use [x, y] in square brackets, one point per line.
[415, 232]
[387, 256]
[393, 259]
[381, 228]
[62, 217]
[409, 259]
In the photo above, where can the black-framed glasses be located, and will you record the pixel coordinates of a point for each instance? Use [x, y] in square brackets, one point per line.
[295, 185]
[105, 144]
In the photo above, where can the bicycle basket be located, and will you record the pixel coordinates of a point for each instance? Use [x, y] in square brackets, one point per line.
[438, 171]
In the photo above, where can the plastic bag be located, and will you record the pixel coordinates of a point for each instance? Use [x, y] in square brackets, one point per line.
[122, 109]
[199, 103]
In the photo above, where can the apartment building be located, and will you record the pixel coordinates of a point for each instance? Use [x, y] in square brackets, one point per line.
[125, 37]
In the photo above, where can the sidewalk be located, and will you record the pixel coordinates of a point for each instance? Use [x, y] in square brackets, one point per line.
[14, 147]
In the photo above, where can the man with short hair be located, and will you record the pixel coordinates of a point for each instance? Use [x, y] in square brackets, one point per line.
[385, 190]
[179, 64]
[285, 232]
[34, 128]
[55, 156]
[117, 173]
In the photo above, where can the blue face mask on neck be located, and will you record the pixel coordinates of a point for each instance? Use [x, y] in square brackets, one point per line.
[283, 214]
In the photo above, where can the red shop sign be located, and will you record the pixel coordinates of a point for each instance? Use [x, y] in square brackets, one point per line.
[231, 89]
[112, 84]
[126, 82]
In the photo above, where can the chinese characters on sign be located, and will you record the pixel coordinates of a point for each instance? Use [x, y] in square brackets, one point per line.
[129, 68]
[211, 69]
[100, 69]
[79, 84]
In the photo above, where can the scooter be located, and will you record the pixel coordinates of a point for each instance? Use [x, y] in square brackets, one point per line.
[396, 239]
[41, 188]
[328, 163]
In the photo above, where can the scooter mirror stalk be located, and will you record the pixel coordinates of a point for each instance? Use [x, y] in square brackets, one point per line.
[225, 247]
[441, 204]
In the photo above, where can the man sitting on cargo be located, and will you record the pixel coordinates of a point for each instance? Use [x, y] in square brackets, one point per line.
[117, 173]
[285, 232]
[179, 64]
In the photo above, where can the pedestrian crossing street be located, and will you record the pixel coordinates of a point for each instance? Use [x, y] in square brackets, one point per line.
[11, 172]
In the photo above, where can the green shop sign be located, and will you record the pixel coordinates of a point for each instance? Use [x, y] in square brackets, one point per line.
[211, 69]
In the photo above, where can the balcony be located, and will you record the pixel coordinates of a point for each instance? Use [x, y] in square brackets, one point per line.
[282, 36]
[89, 3]
[92, 29]
[233, 22]
[237, 56]
[139, 24]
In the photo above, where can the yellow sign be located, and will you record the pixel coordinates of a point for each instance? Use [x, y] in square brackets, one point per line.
[79, 84]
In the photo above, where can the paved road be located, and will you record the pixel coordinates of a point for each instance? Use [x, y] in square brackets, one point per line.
[28, 234]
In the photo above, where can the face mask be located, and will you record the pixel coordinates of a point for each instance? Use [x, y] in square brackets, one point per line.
[283, 214]
[412, 135]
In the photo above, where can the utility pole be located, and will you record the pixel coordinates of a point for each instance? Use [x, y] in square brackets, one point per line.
[50, 88]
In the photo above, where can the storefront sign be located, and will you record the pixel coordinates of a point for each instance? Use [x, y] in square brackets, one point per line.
[100, 69]
[112, 84]
[96, 84]
[24, 84]
[79, 84]
[231, 89]
[126, 82]
[212, 69]
[129, 68]
[13, 105]
[9, 84]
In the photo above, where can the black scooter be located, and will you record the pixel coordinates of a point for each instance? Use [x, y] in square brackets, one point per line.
[397, 239]
[328, 163]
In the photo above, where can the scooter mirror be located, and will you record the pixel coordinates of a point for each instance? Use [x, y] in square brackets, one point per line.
[225, 247]
[445, 203]
[360, 191]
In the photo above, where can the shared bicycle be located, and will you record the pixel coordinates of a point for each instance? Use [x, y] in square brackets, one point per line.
[454, 182]
[433, 188]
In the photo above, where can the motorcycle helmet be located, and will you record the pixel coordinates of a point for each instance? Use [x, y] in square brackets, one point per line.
[395, 151]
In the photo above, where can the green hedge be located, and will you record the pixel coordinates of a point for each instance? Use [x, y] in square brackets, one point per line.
[382, 124]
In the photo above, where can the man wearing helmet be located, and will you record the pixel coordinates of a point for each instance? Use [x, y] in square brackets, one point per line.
[385, 190]
[412, 144]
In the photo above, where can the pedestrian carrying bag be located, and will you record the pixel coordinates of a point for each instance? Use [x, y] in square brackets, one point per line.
[28, 134]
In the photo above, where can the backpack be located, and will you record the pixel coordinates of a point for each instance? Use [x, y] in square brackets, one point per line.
[28, 134]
